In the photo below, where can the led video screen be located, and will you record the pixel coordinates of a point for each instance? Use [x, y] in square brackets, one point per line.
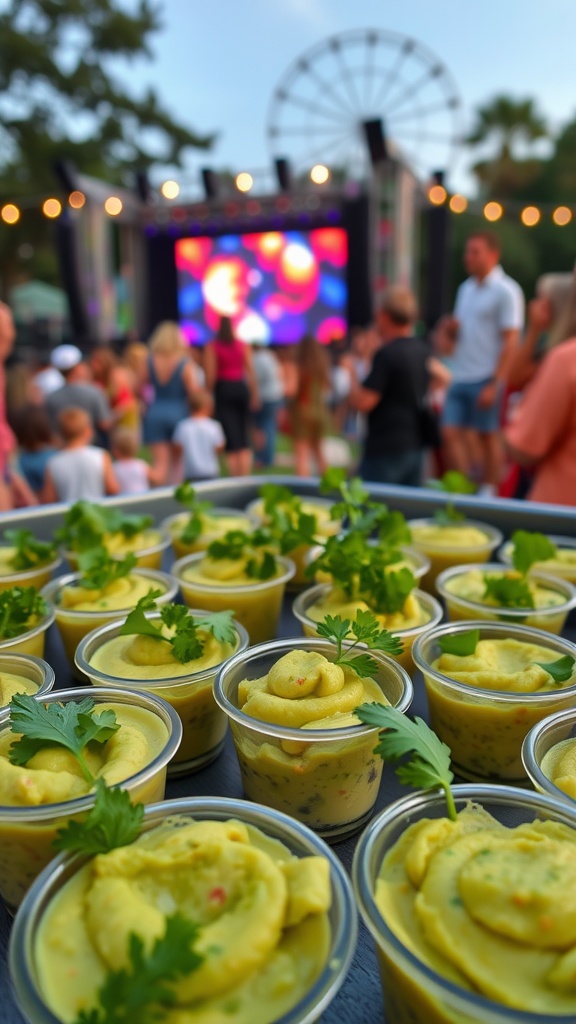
[276, 286]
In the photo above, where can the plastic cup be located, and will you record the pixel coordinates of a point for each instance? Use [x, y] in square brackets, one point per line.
[413, 992]
[445, 555]
[256, 606]
[564, 570]
[226, 519]
[300, 841]
[32, 641]
[74, 625]
[326, 778]
[551, 619]
[27, 832]
[300, 556]
[431, 607]
[541, 738]
[204, 724]
[485, 729]
[147, 557]
[36, 672]
[38, 576]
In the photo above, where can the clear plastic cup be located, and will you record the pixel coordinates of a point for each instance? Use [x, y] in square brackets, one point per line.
[204, 724]
[300, 841]
[485, 729]
[256, 606]
[74, 625]
[541, 738]
[300, 556]
[150, 556]
[31, 641]
[27, 832]
[564, 570]
[413, 992]
[551, 618]
[226, 519]
[37, 675]
[445, 555]
[326, 778]
[38, 576]
[417, 562]
[429, 604]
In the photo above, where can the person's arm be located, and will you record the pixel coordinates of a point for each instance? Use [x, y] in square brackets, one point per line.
[189, 378]
[543, 414]
[523, 365]
[111, 485]
[103, 413]
[365, 397]
[48, 494]
[440, 375]
[251, 378]
[22, 493]
[210, 366]
[490, 391]
[155, 476]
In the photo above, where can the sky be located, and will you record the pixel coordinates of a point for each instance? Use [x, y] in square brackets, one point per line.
[217, 64]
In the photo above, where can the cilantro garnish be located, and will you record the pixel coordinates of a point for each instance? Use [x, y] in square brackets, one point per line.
[186, 495]
[363, 515]
[453, 482]
[288, 526]
[365, 629]
[113, 821]
[561, 670]
[185, 643]
[509, 592]
[29, 552]
[530, 548]
[448, 515]
[85, 523]
[98, 568]
[429, 765]
[362, 570]
[18, 605]
[72, 725]
[141, 992]
[461, 644]
[261, 564]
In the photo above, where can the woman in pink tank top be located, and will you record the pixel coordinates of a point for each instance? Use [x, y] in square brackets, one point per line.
[230, 375]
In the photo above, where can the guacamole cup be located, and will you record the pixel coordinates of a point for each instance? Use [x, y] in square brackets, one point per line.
[332, 946]
[27, 832]
[327, 527]
[453, 544]
[218, 522]
[431, 613]
[23, 673]
[558, 597]
[256, 606]
[326, 778]
[540, 741]
[191, 695]
[148, 550]
[415, 992]
[38, 576]
[563, 565]
[485, 728]
[31, 641]
[74, 625]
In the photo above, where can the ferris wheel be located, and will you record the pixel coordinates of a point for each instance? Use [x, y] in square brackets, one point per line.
[321, 102]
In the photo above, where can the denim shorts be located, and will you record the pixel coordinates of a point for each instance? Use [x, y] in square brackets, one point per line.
[461, 408]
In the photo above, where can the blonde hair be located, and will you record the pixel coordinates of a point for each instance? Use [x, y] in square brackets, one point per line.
[73, 422]
[125, 442]
[167, 339]
[560, 290]
[202, 401]
[400, 305]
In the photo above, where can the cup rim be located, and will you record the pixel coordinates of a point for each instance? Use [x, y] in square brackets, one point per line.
[503, 553]
[493, 534]
[19, 577]
[30, 660]
[52, 589]
[151, 549]
[285, 829]
[549, 582]
[289, 732]
[103, 695]
[218, 511]
[377, 926]
[425, 600]
[506, 631]
[528, 753]
[236, 588]
[110, 631]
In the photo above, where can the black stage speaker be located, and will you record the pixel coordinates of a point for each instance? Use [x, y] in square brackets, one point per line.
[210, 182]
[376, 140]
[283, 174]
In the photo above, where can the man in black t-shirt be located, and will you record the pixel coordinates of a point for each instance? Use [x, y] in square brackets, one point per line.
[393, 395]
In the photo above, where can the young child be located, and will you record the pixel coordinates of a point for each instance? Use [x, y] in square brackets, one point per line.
[35, 444]
[79, 470]
[134, 475]
[200, 439]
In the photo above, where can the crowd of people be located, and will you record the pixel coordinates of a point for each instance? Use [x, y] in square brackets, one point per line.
[484, 394]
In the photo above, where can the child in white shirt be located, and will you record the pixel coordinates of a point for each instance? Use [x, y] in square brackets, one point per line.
[134, 475]
[79, 471]
[200, 439]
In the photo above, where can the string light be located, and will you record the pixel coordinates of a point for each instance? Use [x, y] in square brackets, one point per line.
[493, 211]
[244, 181]
[10, 214]
[113, 206]
[170, 190]
[458, 203]
[437, 195]
[76, 200]
[51, 208]
[562, 216]
[320, 174]
[530, 216]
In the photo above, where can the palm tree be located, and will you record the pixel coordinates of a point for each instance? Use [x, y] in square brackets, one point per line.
[506, 122]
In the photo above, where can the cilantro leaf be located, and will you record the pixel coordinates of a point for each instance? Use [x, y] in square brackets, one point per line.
[461, 644]
[530, 548]
[139, 993]
[85, 524]
[174, 615]
[448, 515]
[29, 552]
[113, 821]
[332, 480]
[99, 568]
[362, 571]
[185, 643]
[72, 725]
[232, 545]
[364, 629]
[19, 608]
[262, 568]
[220, 624]
[429, 765]
[508, 592]
[561, 670]
[186, 495]
[453, 482]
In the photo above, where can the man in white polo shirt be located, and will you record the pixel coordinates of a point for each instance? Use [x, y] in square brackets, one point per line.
[489, 313]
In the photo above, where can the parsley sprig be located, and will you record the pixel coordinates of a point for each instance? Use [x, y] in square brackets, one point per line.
[286, 522]
[428, 767]
[513, 591]
[364, 629]
[185, 642]
[113, 821]
[98, 568]
[29, 552]
[362, 570]
[19, 606]
[141, 992]
[186, 495]
[530, 548]
[509, 591]
[85, 524]
[362, 513]
[72, 725]
[254, 547]
[461, 644]
[451, 482]
[561, 670]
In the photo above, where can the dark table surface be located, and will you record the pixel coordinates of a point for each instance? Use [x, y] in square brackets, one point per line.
[359, 1001]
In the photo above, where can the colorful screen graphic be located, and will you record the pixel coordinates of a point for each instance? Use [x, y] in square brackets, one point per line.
[275, 285]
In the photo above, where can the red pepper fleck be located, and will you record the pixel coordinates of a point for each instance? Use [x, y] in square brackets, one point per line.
[342, 792]
[218, 895]
[300, 682]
